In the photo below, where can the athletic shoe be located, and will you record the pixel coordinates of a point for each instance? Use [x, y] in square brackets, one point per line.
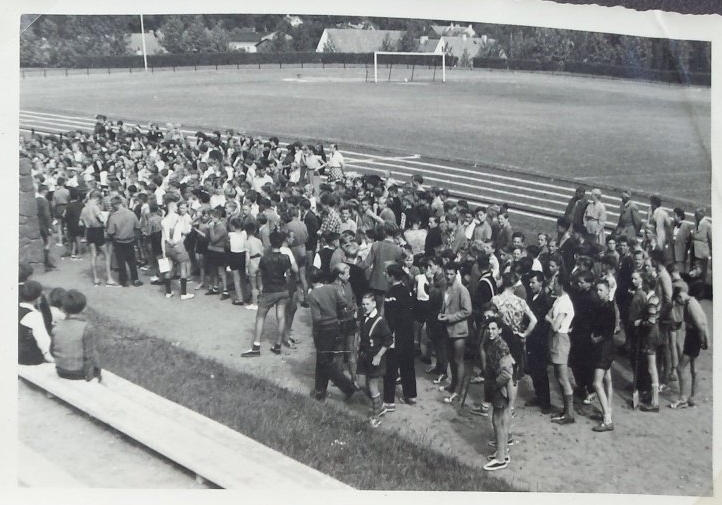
[155, 280]
[276, 349]
[589, 398]
[237, 302]
[252, 352]
[451, 399]
[252, 307]
[601, 427]
[494, 465]
[649, 408]
[387, 408]
[187, 296]
[169, 295]
[212, 292]
[509, 442]
[493, 456]
[137, 283]
[563, 419]
[679, 404]
[112, 284]
[294, 340]
[225, 295]
[482, 410]
[446, 389]
[441, 378]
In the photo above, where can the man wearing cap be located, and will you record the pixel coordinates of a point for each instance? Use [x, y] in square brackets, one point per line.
[595, 218]
[630, 222]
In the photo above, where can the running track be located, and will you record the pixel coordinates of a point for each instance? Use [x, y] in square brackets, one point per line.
[530, 195]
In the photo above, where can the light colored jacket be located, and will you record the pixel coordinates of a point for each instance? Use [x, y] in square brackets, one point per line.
[457, 307]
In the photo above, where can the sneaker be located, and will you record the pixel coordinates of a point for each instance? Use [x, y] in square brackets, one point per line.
[387, 408]
[276, 349]
[589, 398]
[481, 410]
[187, 296]
[137, 283]
[225, 295]
[212, 292]
[112, 284]
[237, 302]
[509, 442]
[495, 464]
[252, 306]
[563, 419]
[409, 401]
[154, 280]
[649, 408]
[601, 427]
[679, 404]
[375, 422]
[451, 399]
[252, 352]
[493, 456]
[441, 378]
[446, 389]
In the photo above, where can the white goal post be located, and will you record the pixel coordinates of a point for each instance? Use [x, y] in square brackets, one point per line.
[377, 53]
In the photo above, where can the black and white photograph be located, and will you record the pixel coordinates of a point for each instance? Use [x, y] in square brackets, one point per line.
[298, 246]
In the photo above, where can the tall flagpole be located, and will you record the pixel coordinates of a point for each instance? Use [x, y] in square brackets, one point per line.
[142, 36]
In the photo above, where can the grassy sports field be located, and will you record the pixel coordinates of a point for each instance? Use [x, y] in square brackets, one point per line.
[646, 136]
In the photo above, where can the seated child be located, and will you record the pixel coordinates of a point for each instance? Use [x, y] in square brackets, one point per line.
[73, 342]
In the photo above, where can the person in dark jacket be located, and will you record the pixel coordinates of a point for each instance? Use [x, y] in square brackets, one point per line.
[537, 344]
[399, 313]
[45, 223]
[603, 353]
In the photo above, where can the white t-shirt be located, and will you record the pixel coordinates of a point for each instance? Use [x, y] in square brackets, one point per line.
[237, 241]
[421, 283]
[563, 305]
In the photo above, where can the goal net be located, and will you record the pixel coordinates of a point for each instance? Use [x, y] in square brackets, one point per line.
[409, 67]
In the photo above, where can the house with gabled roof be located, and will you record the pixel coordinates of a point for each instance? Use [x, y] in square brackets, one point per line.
[245, 41]
[339, 40]
[455, 46]
[152, 43]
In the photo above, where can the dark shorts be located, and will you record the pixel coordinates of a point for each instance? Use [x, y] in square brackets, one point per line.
[59, 211]
[692, 343]
[604, 354]
[365, 367]
[75, 231]
[215, 259]
[237, 261]
[268, 300]
[95, 236]
[518, 354]
[202, 246]
[648, 340]
[499, 400]
[421, 309]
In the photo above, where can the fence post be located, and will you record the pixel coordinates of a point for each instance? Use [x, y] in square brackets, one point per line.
[131, 70]
[237, 67]
[45, 73]
[301, 64]
[216, 66]
[152, 70]
[173, 68]
[280, 65]
[259, 64]
[323, 64]
[108, 70]
[195, 68]
[23, 74]
[66, 72]
[344, 65]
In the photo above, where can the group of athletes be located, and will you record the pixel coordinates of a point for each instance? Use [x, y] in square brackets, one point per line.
[393, 272]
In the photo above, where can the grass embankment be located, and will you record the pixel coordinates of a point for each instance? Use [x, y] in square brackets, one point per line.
[320, 435]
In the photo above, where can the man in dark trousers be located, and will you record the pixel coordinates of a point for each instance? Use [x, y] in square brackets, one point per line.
[537, 344]
[399, 315]
[326, 303]
[313, 225]
[45, 223]
[121, 227]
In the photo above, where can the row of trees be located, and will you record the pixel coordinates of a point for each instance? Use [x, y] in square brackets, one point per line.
[60, 40]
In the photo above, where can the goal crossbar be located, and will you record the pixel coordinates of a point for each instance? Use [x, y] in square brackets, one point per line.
[401, 53]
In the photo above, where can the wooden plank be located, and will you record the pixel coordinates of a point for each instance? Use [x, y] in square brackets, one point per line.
[36, 471]
[254, 451]
[209, 449]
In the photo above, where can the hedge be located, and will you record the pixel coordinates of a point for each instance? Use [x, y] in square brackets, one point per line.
[579, 67]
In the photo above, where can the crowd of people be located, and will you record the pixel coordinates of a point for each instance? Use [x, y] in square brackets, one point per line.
[394, 273]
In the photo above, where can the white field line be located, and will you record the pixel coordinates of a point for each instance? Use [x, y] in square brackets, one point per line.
[615, 200]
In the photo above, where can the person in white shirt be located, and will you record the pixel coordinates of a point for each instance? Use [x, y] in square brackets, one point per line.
[174, 229]
[261, 178]
[560, 317]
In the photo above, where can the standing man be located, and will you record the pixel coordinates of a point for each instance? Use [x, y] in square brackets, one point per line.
[681, 241]
[173, 233]
[696, 338]
[313, 224]
[382, 254]
[326, 303]
[702, 246]
[630, 222]
[658, 220]
[121, 229]
[595, 218]
[45, 222]
[560, 318]
[537, 344]
[603, 354]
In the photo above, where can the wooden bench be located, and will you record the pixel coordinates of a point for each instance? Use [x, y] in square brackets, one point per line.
[214, 452]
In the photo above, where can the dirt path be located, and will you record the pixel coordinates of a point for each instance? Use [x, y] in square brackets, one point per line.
[667, 453]
[96, 456]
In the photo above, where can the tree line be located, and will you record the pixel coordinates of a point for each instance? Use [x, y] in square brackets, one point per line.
[58, 41]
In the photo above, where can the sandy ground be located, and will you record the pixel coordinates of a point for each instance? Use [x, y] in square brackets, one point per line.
[669, 453]
[95, 455]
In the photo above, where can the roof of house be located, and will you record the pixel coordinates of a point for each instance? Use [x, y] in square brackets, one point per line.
[428, 46]
[452, 30]
[360, 41]
[456, 45]
[152, 45]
